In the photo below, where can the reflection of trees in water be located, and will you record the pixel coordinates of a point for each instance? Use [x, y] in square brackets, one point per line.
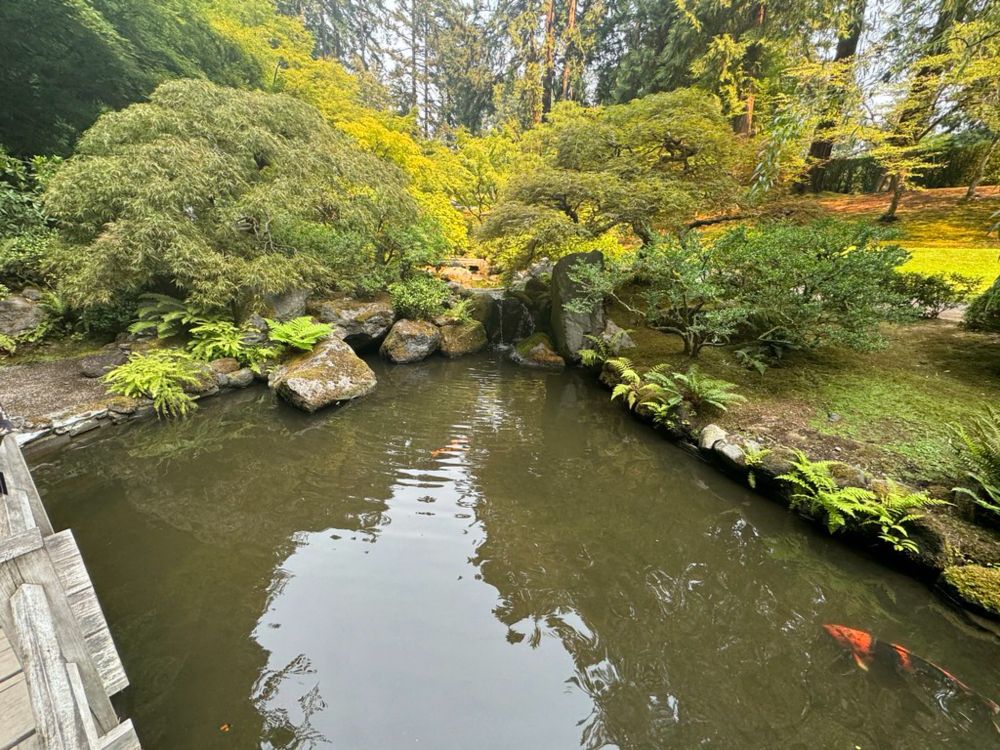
[688, 620]
[201, 512]
[280, 731]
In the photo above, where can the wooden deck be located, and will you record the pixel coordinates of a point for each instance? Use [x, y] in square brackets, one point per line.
[58, 663]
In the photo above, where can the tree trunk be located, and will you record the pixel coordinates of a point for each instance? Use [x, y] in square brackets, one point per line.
[744, 123]
[977, 175]
[413, 52]
[896, 186]
[549, 74]
[570, 49]
[821, 148]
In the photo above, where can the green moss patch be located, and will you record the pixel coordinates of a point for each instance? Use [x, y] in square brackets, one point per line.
[977, 585]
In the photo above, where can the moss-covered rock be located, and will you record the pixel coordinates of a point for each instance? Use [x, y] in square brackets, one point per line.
[537, 351]
[411, 341]
[329, 374]
[458, 339]
[363, 322]
[975, 585]
[571, 328]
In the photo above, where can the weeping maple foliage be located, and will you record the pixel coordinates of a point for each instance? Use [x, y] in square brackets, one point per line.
[226, 196]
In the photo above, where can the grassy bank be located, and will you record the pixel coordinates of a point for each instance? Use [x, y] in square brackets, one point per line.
[888, 411]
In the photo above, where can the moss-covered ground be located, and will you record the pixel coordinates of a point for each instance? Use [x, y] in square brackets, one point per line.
[943, 232]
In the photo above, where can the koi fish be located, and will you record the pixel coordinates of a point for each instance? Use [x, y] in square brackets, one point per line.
[458, 445]
[865, 648]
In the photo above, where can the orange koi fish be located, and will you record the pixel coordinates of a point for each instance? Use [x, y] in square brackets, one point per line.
[458, 445]
[865, 648]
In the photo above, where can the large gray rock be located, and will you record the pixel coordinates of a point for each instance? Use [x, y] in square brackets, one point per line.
[570, 329]
[19, 315]
[100, 364]
[287, 305]
[329, 374]
[458, 339]
[364, 323]
[411, 341]
[616, 338]
[537, 351]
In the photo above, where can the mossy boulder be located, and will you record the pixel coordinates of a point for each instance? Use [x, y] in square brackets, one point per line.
[975, 585]
[411, 341]
[331, 373]
[458, 339]
[363, 322]
[537, 351]
[570, 328]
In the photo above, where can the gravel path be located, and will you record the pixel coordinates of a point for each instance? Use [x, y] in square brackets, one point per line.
[44, 389]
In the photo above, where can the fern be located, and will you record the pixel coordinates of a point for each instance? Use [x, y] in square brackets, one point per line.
[892, 510]
[603, 348]
[214, 339]
[701, 390]
[167, 315]
[159, 375]
[754, 458]
[300, 333]
[979, 451]
[8, 344]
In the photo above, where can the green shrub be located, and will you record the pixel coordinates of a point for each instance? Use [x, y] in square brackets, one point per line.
[777, 287]
[227, 196]
[602, 348]
[8, 345]
[979, 451]
[160, 375]
[983, 313]
[420, 297]
[932, 294]
[301, 333]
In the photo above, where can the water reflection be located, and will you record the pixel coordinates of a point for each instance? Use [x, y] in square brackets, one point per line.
[479, 556]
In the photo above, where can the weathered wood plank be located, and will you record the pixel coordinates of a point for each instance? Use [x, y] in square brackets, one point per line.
[9, 664]
[73, 576]
[36, 568]
[18, 477]
[80, 698]
[17, 721]
[17, 514]
[57, 721]
[20, 544]
[122, 737]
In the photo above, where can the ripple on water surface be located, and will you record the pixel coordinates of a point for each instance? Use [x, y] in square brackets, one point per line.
[478, 556]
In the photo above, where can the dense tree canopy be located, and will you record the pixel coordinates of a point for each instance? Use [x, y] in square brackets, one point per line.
[226, 196]
[651, 163]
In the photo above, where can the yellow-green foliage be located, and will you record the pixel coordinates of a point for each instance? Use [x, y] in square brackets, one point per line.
[283, 48]
[160, 375]
[976, 584]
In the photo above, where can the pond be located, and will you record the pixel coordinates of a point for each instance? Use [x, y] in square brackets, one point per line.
[482, 557]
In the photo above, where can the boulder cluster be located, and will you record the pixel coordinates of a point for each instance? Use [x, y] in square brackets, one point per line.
[539, 318]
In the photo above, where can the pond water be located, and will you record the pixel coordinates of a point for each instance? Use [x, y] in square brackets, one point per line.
[482, 557]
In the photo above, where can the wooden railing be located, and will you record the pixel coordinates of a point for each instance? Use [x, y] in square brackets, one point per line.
[55, 692]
